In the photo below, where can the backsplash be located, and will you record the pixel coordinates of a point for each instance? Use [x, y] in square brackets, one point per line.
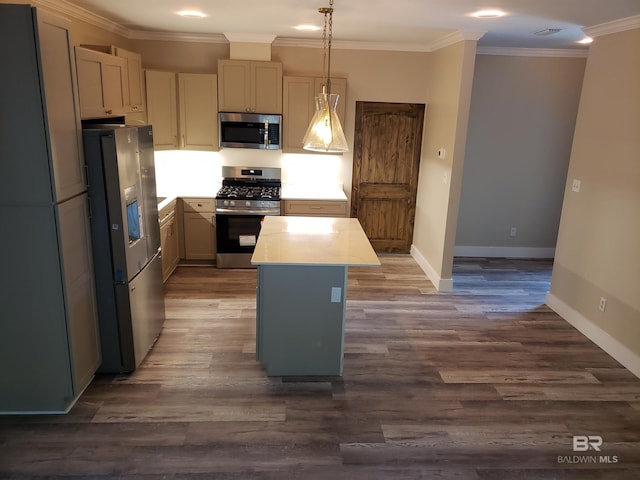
[184, 172]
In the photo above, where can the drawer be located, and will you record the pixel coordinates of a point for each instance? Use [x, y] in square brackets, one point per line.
[319, 208]
[198, 204]
[167, 211]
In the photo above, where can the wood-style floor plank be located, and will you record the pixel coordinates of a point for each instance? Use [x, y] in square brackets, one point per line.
[483, 383]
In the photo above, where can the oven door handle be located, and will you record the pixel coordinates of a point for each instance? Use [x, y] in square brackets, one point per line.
[229, 211]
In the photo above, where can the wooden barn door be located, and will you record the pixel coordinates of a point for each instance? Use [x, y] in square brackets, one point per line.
[387, 144]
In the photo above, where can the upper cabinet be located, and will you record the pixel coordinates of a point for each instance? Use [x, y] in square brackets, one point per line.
[299, 107]
[250, 86]
[135, 78]
[183, 117]
[103, 83]
[162, 108]
[198, 105]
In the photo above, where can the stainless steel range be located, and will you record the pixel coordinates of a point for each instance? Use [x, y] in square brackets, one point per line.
[247, 195]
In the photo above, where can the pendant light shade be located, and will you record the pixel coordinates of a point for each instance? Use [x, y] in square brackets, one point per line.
[324, 133]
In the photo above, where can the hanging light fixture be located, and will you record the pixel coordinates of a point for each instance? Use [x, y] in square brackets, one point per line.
[324, 133]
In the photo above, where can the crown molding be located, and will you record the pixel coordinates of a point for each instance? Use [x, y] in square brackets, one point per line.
[178, 37]
[250, 37]
[350, 45]
[614, 26]
[455, 37]
[71, 10]
[534, 52]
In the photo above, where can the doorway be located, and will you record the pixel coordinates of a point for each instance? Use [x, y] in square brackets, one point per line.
[386, 160]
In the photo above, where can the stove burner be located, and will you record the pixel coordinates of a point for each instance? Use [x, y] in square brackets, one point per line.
[249, 192]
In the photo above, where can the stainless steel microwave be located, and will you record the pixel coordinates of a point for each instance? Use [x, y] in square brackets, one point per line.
[250, 130]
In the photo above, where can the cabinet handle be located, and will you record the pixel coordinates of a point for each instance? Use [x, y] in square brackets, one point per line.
[183, 143]
[108, 112]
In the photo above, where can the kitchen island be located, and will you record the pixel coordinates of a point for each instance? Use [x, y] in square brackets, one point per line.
[301, 297]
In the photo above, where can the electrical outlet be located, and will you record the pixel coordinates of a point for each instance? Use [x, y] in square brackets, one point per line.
[336, 294]
[603, 304]
[575, 186]
[513, 232]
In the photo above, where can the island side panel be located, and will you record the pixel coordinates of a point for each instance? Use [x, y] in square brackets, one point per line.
[299, 330]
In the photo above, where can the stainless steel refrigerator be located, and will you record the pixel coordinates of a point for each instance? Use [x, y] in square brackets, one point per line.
[126, 242]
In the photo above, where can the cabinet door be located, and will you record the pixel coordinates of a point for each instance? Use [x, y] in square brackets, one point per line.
[102, 83]
[266, 87]
[198, 99]
[299, 107]
[199, 236]
[82, 321]
[63, 115]
[135, 78]
[162, 109]
[169, 242]
[234, 89]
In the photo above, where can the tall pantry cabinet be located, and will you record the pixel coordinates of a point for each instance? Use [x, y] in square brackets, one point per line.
[49, 342]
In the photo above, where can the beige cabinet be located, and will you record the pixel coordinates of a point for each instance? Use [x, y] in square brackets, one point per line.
[49, 328]
[198, 105]
[169, 239]
[250, 86]
[75, 245]
[299, 106]
[183, 109]
[103, 83]
[135, 78]
[316, 208]
[199, 228]
[162, 108]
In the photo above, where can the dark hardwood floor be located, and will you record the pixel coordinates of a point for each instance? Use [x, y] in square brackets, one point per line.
[482, 383]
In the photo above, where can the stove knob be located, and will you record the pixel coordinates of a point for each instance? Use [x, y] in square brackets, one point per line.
[226, 203]
[232, 203]
[247, 203]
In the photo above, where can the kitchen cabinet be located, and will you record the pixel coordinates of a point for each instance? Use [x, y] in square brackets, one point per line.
[49, 331]
[199, 228]
[316, 208]
[135, 78]
[103, 83]
[198, 105]
[299, 107]
[169, 239]
[250, 86]
[183, 109]
[162, 108]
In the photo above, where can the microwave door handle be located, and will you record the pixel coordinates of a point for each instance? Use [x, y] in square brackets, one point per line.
[266, 133]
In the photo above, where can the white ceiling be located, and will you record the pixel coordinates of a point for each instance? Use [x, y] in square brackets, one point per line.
[410, 23]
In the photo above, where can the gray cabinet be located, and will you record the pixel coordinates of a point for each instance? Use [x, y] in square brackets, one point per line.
[48, 333]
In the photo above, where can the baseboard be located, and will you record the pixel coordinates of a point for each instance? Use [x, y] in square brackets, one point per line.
[504, 252]
[628, 358]
[441, 284]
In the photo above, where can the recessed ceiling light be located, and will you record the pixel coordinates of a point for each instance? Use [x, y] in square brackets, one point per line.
[308, 28]
[192, 13]
[488, 14]
[586, 41]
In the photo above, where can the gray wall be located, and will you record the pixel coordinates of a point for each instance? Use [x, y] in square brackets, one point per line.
[523, 112]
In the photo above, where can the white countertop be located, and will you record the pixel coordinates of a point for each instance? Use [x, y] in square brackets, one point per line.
[313, 241]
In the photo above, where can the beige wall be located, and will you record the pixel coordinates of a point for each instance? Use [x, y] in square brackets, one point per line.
[598, 250]
[449, 84]
[521, 125]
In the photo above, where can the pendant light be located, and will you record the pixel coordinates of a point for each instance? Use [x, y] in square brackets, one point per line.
[324, 133]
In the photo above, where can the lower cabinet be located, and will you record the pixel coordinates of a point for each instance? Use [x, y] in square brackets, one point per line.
[169, 240]
[199, 228]
[316, 208]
